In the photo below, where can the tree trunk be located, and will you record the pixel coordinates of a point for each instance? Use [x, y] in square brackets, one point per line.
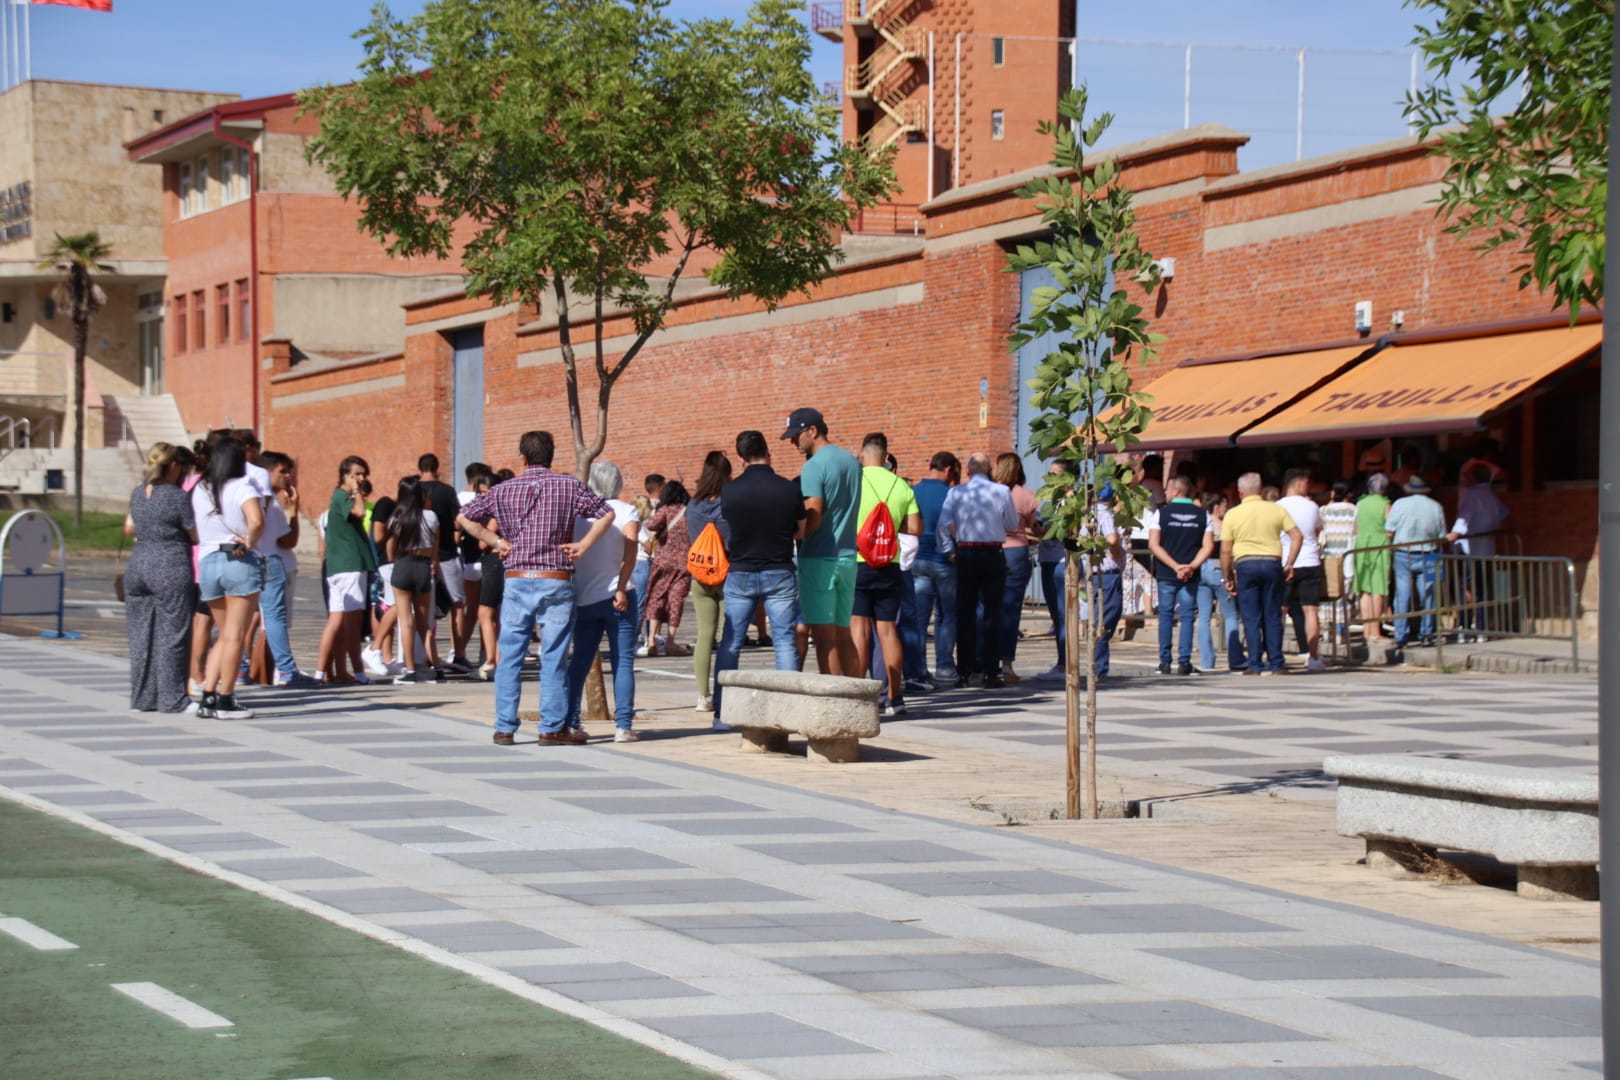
[1094, 621]
[1071, 680]
[81, 340]
[596, 707]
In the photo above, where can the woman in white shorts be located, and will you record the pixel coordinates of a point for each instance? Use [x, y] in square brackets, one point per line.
[230, 520]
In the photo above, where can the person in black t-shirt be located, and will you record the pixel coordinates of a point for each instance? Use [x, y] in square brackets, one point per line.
[441, 499]
[1180, 541]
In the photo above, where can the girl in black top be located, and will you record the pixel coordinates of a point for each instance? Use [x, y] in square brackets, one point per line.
[413, 543]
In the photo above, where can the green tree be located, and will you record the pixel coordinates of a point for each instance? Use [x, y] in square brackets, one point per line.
[1085, 401]
[575, 143]
[1536, 178]
[76, 260]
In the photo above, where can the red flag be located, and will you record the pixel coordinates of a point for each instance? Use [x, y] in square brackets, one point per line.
[88, 5]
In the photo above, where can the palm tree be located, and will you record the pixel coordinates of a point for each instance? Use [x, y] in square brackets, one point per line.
[76, 259]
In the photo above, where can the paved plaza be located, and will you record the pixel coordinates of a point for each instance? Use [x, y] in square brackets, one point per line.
[767, 917]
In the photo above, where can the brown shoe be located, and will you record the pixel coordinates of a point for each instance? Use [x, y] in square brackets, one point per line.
[547, 738]
[575, 735]
[503, 738]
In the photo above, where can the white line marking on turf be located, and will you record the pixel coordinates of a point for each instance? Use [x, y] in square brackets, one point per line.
[172, 1005]
[29, 934]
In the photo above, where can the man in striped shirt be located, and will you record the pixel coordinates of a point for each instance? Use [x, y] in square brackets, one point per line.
[536, 512]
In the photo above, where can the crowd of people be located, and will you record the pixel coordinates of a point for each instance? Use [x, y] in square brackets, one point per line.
[849, 563]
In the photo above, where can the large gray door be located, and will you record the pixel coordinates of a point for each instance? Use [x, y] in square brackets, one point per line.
[1029, 357]
[467, 432]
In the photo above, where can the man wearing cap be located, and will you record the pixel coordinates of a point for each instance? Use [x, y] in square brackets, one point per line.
[1418, 522]
[535, 511]
[973, 523]
[831, 485]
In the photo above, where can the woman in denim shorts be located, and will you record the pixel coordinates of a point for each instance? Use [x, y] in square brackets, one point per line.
[229, 513]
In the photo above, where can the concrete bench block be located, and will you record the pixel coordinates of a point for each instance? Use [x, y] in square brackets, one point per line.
[833, 713]
[1544, 822]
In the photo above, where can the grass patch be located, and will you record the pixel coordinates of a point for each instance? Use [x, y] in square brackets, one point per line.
[100, 532]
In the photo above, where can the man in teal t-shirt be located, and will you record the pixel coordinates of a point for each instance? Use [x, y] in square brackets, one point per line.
[831, 485]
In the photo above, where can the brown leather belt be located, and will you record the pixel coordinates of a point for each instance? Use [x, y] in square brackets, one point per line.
[549, 575]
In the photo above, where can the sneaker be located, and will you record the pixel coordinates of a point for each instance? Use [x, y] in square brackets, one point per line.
[297, 678]
[362, 679]
[192, 709]
[705, 703]
[1185, 669]
[1008, 675]
[895, 708]
[227, 708]
[1055, 673]
[205, 707]
[406, 677]
[194, 689]
[373, 662]
[1315, 666]
[719, 725]
[395, 668]
[624, 734]
[459, 666]
[644, 651]
[243, 669]
[1164, 668]
[320, 678]
[924, 685]
[485, 672]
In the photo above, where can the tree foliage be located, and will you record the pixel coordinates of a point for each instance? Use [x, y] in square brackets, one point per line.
[77, 259]
[1536, 178]
[573, 144]
[1083, 393]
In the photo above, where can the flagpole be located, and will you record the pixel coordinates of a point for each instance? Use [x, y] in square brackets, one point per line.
[28, 39]
[16, 45]
[5, 51]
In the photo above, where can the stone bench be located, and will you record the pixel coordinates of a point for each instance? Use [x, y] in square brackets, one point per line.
[1543, 822]
[832, 712]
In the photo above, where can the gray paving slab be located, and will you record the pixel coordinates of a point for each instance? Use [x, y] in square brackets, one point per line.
[291, 869]
[587, 860]
[578, 783]
[419, 834]
[759, 826]
[185, 742]
[935, 971]
[742, 929]
[40, 779]
[1120, 1024]
[378, 901]
[271, 772]
[509, 764]
[1142, 918]
[390, 811]
[485, 936]
[990, 882]
[855, 852]
[218, 841]
[644, 806]
[622, 892]
[155, 818]
[1326, 1072]
[1515, 1015]
[1320, 962]
[751, 1036]
[336, 789]
[217, 757]
[94, 798]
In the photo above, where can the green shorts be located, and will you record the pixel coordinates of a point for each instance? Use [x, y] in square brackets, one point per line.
[827, 590]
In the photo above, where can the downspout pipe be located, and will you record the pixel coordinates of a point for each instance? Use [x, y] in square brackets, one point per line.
[253, 259]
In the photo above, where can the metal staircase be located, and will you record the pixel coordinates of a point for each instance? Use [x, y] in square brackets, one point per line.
[883, 79]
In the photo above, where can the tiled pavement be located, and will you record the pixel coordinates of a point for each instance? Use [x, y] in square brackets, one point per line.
[779, 933]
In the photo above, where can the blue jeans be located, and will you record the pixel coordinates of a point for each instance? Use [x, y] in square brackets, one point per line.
[531, 602]
[1111, 598]
[744, 590]
[273, 606]
[1260, 596]
[638, 586]
[1052, 586]
[1422, 564]
[1012, 599]
[935, 585]
[1177, 598]
[592, 622]
[1212, 591]
[913, 640]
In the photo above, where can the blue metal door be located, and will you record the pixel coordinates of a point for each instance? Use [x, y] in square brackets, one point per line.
[467, 431]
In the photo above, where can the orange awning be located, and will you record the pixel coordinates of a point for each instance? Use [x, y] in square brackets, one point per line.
[1201, 405]
[1428, 387]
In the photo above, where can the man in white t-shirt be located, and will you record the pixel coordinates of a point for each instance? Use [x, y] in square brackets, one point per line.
[1307, 590]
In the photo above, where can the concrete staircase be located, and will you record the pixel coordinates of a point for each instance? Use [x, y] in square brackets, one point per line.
[110, 474]
[139, 421]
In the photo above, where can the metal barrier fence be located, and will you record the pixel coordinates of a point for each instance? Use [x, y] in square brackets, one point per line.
[1471, 597]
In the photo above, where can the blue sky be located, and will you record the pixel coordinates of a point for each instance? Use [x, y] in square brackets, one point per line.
[256, 49]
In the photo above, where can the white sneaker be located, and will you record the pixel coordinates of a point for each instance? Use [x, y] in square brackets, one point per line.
[625, 735]
[643, 651]
[895, 708]
[1055, 673]
[190, 709]
[719, 725]
[396, 668]
[705, 703]
[1315, 665]
[372, 661]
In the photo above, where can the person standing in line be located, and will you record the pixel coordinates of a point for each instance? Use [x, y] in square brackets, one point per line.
[708, 600]
[1372, 556]
[934, 575]
[281, 529]
[1338, 567]
[1307, 589]
[831, 483]
[765, 513]
[670, 580]
[1052, 556]
[605, 606]
[158, 583]
[974, 523]
[1009, 473]
[471, 553]
[1254, 569]
[230, 517]
[1211, 594]
[1181, 543]
[1415, 525]
[878, 588]
[413, 547]
[442, 499]
[1480, 514]
[491, 588]
[1110, 578]
[535, 513]
[348, 560]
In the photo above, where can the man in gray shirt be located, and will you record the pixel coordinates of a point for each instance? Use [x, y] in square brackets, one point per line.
[1419, 523]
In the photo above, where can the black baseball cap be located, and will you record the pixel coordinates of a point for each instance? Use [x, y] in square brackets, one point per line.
[799, 419]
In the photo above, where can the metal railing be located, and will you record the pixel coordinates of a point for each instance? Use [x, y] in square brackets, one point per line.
[11, 426]
[1478, 597]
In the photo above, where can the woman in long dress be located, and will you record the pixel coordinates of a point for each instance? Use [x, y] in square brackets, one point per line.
[1373, 559]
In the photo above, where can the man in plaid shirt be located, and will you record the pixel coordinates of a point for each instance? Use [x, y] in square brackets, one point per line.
[536, 512]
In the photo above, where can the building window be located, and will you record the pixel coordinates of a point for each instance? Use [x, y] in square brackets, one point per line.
[244, 307]
[222, 307]
[199, 320]
[199, 184]
[149, 341]
[184, 188]
[180, 340]
[233, 175]
[998, 123]
[998, 51]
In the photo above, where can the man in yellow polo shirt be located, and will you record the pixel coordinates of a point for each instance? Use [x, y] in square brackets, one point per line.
[1252, 564]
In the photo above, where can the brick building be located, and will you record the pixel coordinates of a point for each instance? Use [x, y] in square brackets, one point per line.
[260, 245]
